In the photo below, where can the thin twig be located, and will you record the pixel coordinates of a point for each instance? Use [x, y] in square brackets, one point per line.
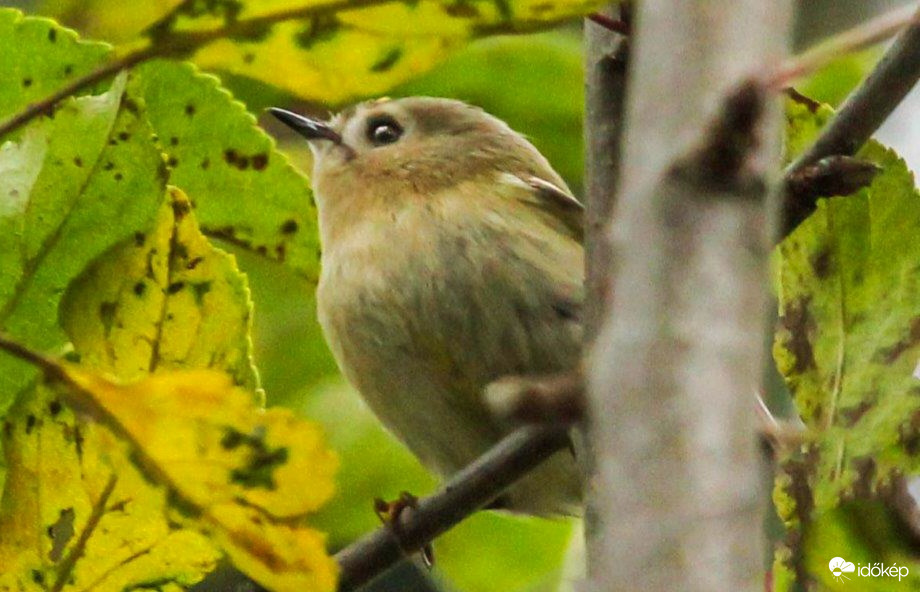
[177, 44]
[858, 38]
[620, 26]
[861, 114]
[467, 491]
[606, 65]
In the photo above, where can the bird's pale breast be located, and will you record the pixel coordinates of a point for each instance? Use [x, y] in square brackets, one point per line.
[426, 302]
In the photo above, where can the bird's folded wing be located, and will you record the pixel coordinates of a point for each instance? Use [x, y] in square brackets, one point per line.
[554, 200]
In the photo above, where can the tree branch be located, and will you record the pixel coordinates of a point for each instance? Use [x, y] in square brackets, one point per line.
[606, 61]
[860, 115]
[682, 339]
[467, 491]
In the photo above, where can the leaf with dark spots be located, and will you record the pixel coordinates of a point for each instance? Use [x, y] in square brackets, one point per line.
[848, 345]
[289, 227]
[852, 415]
[822, 263]
[461, 9]
[199, 289]
[388, 60]
[320, 29]
[801, 329]
[60, 533]
[890, 354]
[63, 217]
[161, 296]
[260, 161]
[237, 178]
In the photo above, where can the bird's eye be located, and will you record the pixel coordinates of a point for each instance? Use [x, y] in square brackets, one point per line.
[383, 130]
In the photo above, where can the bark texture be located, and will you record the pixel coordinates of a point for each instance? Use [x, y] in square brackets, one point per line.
[675, 494]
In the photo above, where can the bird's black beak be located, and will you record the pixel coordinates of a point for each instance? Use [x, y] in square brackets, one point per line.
[311, 129]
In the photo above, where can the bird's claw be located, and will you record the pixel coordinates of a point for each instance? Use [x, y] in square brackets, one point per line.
[389, 514]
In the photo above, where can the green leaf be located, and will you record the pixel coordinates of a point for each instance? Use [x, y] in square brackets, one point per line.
[832, 83]
[39, 56]
[804, 119]
[848, 344]
[244, 190]
[73, 186]
[165, 299]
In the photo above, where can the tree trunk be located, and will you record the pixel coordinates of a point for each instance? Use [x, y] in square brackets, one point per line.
[674, 498]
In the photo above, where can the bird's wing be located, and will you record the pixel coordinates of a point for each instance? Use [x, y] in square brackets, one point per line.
[556, 201]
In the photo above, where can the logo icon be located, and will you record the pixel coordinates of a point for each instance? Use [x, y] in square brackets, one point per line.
[840, 566]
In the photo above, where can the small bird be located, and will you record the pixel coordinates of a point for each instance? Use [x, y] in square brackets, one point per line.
[451, 257]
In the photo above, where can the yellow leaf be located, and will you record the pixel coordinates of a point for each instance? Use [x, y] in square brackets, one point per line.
[312, 50]
[211, 444]
[242, 474]
[180, 461]
[278, 556]
[165, 300]
[58, 470]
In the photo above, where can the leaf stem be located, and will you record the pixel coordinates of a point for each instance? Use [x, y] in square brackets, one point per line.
[51, 368]
[66, 567]
[46, 105]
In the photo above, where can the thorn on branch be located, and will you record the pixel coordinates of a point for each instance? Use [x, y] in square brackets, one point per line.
[533, 399]
[777, 435]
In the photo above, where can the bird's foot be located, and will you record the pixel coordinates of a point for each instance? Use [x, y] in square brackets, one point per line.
[390, 512]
